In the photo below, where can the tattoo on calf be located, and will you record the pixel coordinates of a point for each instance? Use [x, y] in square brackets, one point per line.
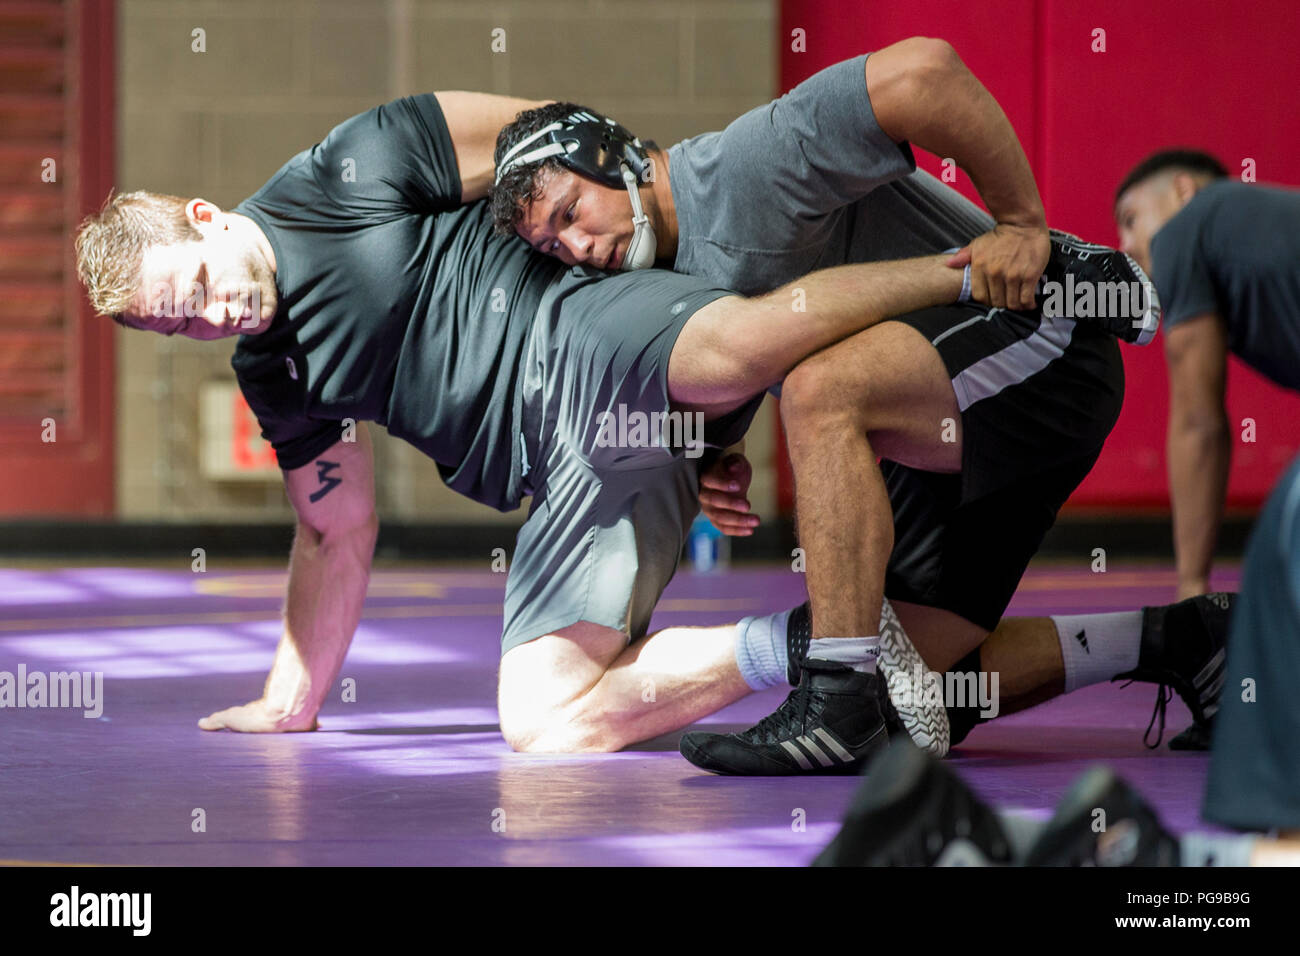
[327, 481]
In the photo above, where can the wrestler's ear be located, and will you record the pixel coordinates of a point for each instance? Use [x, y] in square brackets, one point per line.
[1184, 187]
[199, 210]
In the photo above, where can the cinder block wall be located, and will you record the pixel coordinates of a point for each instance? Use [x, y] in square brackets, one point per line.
[276, 75]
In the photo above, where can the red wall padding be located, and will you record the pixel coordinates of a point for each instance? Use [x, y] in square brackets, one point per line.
[1222, 77]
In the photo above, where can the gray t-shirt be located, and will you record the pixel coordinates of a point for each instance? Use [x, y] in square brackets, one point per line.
[806, 182]
[1234, 250]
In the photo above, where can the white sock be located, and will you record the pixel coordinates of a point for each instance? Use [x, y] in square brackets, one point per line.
[1096, 647]
[761, 650]
[860, 653]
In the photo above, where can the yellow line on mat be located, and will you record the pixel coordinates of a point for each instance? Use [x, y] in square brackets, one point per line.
[48, 863]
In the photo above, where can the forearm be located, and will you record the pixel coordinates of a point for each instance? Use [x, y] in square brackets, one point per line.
[734, 348]
[328, 576]
[1199, 456]
[474, 120]
[935, 102]
[990, 153]
[840, 302]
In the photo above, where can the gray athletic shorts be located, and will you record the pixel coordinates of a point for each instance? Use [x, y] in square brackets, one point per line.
[611, 501]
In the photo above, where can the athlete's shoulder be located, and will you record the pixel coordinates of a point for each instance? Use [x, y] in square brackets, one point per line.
[1220, 214]
[1185, 228]
[1219, 199]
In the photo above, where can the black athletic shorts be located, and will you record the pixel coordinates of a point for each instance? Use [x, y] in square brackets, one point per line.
[1038, 396]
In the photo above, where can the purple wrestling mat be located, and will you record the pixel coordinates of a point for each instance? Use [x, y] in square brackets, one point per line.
[415, 772]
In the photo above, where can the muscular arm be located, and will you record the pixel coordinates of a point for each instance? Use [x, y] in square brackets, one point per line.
[474, 120]
[922, 92]
[734, 348]
[329, 569]
[1199, 445]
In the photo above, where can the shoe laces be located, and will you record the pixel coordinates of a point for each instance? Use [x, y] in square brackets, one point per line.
[794, 710]
[1164, 694]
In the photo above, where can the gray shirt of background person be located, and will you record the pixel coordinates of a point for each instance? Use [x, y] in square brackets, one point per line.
[806, 182]
[1234, 250]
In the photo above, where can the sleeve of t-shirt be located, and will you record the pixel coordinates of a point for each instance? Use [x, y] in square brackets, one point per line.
[815, 149]
[297, 440]
[397, 158]
[1180, 271]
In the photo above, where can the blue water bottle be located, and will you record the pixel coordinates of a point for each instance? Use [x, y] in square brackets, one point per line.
[709, 548]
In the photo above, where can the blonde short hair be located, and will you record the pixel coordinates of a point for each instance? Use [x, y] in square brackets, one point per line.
[112, 243]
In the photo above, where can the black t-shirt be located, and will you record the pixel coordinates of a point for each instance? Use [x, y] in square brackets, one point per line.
[397, 304]
[1234, 250]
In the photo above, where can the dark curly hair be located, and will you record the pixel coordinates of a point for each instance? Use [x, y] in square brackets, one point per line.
[522, 186]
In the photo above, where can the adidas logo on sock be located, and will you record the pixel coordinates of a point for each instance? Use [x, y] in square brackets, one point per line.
[1083, 641]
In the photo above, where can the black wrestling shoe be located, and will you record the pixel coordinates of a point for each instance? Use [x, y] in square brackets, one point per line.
[1195, 737]
[1184, 650]
[893, 722]
[1123, 300]
[907, 706]
[913, 811]
[830, 724]
[962, 720]
[1125, 833]
[798, 635]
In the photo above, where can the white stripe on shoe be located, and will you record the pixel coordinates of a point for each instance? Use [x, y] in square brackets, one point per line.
[832, 743]
[810, 749]
[818, 754]
[1214, 663]
[797, 754]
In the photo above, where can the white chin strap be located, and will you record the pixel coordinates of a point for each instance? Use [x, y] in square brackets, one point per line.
[640, 252]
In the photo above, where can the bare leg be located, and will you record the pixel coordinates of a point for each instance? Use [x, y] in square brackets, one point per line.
[848, 543]
[582, 689]
[942, 637]
[1023, 651]
[1026, 654]
[884, 391]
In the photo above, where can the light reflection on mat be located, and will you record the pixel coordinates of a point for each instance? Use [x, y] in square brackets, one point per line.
[413, 772]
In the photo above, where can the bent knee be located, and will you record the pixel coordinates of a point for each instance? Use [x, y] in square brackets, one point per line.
[546, 691]
[821, 390]
[558, 733]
